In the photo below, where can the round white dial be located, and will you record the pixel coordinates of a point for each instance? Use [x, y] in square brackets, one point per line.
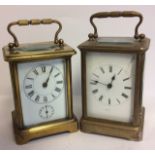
[46, 112]
[43, 84]
[111, 84]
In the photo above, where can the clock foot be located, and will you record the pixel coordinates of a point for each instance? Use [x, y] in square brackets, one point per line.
[25, 135]
[109, 128]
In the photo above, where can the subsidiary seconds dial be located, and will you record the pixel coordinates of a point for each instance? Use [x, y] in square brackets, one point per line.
[46, 112]
[111, 84]
[43, 84]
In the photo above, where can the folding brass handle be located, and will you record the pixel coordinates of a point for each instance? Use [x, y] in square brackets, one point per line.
[34, 22]
[116, 14]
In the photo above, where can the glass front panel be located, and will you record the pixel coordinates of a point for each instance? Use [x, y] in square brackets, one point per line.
[110, 85]
[43, 91]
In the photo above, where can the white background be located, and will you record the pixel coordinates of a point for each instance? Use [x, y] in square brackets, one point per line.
[76, 26]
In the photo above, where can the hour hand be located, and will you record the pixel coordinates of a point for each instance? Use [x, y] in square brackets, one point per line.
[45, 83]
[113, 78]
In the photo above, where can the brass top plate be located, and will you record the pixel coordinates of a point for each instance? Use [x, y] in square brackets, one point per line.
[35, 51]
[109, 44]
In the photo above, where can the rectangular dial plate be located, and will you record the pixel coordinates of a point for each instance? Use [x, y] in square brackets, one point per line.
[110, 85]
[42, 91]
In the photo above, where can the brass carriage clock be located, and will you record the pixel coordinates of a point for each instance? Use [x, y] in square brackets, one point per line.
[112, 75]
[41, 81]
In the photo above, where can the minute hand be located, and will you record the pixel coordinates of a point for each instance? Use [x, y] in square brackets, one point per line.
[99, 82]
[102, 83]
[49, 75]
[46, 82]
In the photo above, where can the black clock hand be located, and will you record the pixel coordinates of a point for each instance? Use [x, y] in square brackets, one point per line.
[99, 82]
[46, 112]
[112, 79]
[108, 85]
[46, 82]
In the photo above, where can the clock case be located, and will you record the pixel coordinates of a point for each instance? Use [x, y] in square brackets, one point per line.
[138, 45]
[16, 53]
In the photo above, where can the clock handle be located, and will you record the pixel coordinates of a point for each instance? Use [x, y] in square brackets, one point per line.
[114, 14]
[60, 42]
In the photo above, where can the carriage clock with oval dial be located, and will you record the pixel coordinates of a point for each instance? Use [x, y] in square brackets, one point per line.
[112, 75]
[41, 80]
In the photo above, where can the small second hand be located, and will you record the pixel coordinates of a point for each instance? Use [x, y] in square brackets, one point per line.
[46, 112]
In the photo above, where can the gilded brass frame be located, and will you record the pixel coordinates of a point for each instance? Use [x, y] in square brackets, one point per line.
[23, 134]
[132, 130]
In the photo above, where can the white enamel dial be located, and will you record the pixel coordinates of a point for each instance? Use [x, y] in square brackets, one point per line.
[110, 85]
[42, 91]
[43, 84]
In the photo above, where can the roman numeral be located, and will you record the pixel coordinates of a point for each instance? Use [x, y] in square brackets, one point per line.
[118, 100]
[56, 74]
[93, 82]
[109, 101]
[35, 72]
[102, 70]
[53, 95]
[45, 99]
[57, 89]
[127, 87]
[30, 78]
[95, 91]
[31, 93]
[59, 82]
[124, 95]
[126, 79]
[100, 98]
[37, 98]
[43, 68]
[95, 75]
[28, 86]
[110, 68]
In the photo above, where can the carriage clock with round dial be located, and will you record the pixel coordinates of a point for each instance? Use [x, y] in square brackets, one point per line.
[112, 75]
[41, 80]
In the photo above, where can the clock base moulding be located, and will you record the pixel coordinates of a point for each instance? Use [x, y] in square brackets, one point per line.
[117, 130]
[23, 136]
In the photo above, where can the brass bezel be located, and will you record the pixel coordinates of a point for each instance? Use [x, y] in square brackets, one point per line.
[25, 134]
